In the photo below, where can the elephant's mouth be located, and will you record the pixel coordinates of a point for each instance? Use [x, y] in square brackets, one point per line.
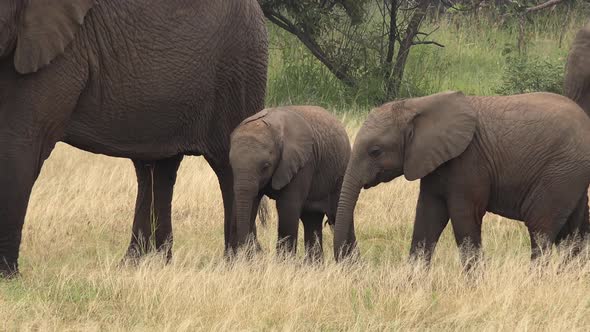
[384, 175]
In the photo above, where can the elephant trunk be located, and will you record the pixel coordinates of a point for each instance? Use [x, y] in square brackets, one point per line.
[344, 238]
[245, 193]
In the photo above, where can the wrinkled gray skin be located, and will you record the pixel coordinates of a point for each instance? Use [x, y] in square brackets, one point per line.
[577, 78]
[297, 156]
[525, 157]
[141, 79]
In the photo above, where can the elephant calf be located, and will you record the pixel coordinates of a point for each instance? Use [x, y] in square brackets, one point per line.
[297, 156]
[525, 157]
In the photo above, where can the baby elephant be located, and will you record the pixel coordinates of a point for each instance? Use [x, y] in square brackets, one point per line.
[525, 157]
[296, 155]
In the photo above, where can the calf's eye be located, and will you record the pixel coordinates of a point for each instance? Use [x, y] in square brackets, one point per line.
[375, 152]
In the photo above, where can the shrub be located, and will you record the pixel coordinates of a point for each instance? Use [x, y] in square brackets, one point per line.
[524, 74]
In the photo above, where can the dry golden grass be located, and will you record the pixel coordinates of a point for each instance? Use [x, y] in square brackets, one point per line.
[78, 227]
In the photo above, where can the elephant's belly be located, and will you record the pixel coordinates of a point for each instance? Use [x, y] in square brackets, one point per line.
[148, 140]
[322, 206]
[505, 207]
[506, 213]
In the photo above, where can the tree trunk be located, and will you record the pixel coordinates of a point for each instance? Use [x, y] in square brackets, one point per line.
[394, 84]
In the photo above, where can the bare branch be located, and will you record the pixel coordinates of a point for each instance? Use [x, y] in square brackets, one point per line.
[427, 42]
[523, 18]
[311, 44]
[543, 5]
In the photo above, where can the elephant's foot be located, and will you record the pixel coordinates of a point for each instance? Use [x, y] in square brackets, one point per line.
[314, 259]
[136, 254]
[349, 252]
[248, 252]
[8, 270]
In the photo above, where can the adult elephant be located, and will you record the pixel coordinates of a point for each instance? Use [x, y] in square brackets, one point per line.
[577, 78]
[149, 80]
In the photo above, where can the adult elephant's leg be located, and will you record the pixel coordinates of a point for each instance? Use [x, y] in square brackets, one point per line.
[312, 225]
[226, 184]
[541, 241]
[20, 163]
[152, 224]
[33, 118]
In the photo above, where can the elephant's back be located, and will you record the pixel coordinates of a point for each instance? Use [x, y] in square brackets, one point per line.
[536, 124]
[327, 128]
[333, 148]
[534, 107]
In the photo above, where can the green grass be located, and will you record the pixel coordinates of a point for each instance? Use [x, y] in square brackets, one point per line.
[474, 60]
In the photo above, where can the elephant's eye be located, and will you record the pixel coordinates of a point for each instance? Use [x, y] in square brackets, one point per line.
[265, 166]
[375, 152]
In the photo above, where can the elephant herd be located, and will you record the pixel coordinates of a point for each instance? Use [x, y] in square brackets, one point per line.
[154, 81]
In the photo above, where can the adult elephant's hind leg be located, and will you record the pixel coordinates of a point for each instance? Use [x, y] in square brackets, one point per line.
[152, 224]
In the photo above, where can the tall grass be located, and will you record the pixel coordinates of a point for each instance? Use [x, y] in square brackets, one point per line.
[79, 223]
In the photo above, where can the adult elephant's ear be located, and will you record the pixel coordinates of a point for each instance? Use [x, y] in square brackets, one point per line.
[295, 138]
[46, 28]
[441, 130]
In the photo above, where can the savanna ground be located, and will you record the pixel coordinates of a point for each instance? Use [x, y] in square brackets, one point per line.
[79, 220]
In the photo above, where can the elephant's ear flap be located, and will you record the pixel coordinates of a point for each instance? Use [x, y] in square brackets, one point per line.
[442, 129]
[254, 117]
[46, 29]
[296, 141]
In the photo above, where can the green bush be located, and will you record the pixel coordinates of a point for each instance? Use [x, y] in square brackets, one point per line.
[524, 74]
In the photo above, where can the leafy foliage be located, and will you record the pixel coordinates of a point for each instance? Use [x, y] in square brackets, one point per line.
[364, 43]
[525, 74]
[357, 52]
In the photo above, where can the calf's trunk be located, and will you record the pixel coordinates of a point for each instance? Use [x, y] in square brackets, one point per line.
[344, 238]
[244, 198]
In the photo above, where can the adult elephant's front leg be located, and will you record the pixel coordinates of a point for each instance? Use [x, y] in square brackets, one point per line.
[152, 224]
[226, 184]
[19, 167]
